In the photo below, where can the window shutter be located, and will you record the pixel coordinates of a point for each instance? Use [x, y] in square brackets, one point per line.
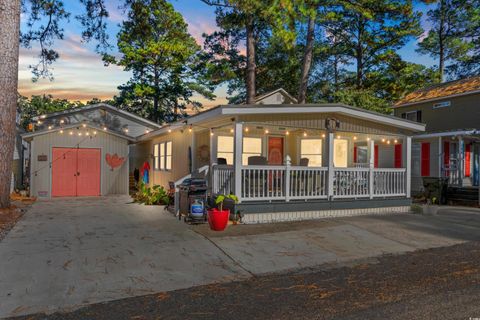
[398, 156]
[404, 115]
[425, 159]
[467, 160]
[419, 116]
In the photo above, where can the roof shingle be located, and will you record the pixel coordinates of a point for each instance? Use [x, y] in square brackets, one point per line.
[441, 90]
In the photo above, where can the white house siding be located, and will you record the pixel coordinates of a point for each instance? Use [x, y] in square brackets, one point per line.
[181, 141]
[112, 182]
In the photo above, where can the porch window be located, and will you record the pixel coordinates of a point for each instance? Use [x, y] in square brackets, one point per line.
[162, 154]
[312, 150]
[413, 115]
[251, 147]
[155, 157]
[225, 148]
[340, 153]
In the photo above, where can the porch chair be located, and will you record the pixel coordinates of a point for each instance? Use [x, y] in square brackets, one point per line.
[257, 182]
[257, 161]
[304, 162]
[221, 161]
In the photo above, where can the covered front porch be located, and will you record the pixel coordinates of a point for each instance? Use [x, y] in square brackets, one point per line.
[263, 162]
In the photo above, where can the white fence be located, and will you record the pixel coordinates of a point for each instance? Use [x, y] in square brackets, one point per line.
[297, 183]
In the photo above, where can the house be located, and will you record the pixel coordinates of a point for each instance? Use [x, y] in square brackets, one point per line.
[84, 151]
[449, 147]
[290, 161]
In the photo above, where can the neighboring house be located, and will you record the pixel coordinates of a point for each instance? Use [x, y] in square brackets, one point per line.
[290, 161]
[449, 147]
[84, 151]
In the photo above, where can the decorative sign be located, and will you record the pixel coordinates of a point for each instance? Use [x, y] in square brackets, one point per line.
[42, 157]
[332, 124]
[114, 161]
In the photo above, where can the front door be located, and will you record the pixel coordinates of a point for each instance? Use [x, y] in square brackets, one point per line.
[275, 150]
[75, 172]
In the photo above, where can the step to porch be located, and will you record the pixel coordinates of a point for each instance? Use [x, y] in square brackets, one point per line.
[466, 196]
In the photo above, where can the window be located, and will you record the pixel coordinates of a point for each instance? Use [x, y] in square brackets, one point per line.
[413, 115]
[225, 148]
[162, 154]
[155, 157]
[442, 105]
[251, 147]
[312, 150]
[340, 153]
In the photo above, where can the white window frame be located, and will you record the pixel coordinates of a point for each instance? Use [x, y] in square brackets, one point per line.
[305, 155]
[220, 154]
[161, 153]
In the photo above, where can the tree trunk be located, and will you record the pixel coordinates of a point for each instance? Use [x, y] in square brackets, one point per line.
[307, 60]
[251, 68]
[441, 45]
[9, 43]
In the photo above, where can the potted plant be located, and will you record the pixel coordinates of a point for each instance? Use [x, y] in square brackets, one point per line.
[431, 207]
[218, 217]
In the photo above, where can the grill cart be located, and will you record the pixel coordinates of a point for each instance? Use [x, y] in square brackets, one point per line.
[193, 200]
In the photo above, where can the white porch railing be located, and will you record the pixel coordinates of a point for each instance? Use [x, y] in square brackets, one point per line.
[298, 183]
[223, 179]
[389, 182]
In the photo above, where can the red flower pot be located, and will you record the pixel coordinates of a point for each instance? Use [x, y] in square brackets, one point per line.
[217, 219]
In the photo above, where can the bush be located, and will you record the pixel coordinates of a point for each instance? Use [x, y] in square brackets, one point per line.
[155, 195]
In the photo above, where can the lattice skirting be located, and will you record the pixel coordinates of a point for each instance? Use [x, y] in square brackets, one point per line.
[251, 218]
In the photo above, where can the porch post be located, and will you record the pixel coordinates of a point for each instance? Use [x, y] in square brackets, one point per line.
[371, 165]
[237, 156]
[330, 137]
[408, 165]
[213, 149]
[461, 155]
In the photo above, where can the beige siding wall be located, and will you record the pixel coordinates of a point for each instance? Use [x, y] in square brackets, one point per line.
[112, 182]
[463, 113]
[202, 149]
[181, 141]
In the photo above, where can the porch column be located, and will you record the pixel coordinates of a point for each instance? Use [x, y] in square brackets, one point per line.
[407, 148]
[461, 162]
[237, 156]
[213, 149]
[329, 143]
[371, 165]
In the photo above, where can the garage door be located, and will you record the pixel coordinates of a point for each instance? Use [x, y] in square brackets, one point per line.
[75, 172]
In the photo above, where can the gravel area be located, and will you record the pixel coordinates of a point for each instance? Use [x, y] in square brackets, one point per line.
[439, 283]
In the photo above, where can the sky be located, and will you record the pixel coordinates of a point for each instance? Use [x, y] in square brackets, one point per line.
[79, 73]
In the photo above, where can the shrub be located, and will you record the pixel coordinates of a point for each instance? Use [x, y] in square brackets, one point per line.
[155, 195]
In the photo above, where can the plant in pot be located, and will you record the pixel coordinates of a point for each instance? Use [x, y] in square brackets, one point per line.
[431, 207]
[218, 217]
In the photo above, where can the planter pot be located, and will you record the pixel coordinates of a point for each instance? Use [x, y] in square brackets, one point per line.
[217, 219]
[430, 209]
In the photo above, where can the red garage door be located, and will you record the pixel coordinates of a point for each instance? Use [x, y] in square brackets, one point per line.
[75, 172]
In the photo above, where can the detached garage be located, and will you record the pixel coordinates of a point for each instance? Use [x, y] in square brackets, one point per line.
[83, 152]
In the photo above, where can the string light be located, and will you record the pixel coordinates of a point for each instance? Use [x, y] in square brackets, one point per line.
[39, 122]
[246, 129]
[338, 137]
[61, 131]
[388, 142]
[305, 133]
[169, 130]
[395, 141]
[190, 128]
[211, 133]
[231, 130]
[126, 129]
[94, 133]
[79, 134]
[323, 135]
[70, 133]
[354, 138]
[147, 131]
[50, 127]
[87, 133]
[368, 138]
[104, 128]
[62, 121]
[266, 131]
[84, 125]
[287, 133]
[383, 140]
[43, 116]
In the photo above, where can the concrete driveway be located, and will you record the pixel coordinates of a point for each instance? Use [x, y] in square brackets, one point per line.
[71, 252]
